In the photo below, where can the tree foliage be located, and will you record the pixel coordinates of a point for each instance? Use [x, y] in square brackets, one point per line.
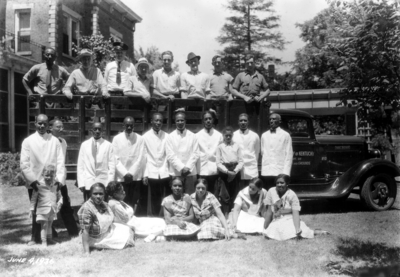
[252, 30]
[354, 45]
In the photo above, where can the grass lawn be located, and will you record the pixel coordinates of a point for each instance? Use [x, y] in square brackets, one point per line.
[359, 240]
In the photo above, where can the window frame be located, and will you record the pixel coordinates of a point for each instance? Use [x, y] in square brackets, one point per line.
[71, 17]
[17, 28]
[117, 36]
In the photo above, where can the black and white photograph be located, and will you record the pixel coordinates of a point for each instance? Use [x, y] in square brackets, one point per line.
[191, 138]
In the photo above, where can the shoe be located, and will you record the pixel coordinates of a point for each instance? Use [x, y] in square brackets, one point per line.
[150, 238]
[51, 242]
[32, 242]
[160, 239]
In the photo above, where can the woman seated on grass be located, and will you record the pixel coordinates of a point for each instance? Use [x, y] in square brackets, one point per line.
[283, 211]
[248, 213]
[207, 210]
[148, 227]
[96, 221]
[178, 213]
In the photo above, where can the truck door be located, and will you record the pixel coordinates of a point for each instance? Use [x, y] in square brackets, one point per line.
[306, 152]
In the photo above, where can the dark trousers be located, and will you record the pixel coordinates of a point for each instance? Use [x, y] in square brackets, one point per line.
[268, 182]
[67, 213]
[35, 236]
[232, 188]
[212, 183]
[156, 191]
[132, 192]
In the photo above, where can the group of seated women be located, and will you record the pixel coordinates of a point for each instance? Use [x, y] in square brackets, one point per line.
[112, 225]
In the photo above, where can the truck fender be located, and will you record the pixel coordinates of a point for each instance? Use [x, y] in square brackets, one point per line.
[357, 174]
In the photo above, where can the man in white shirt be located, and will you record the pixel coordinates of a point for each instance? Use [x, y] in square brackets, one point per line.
[182, 153]
[249, 142]
[130, 158]
[96, 161]
[156, 174]
[37, 151]
[117, 72]
[56, 128]
[277, 152]
[208, 139]
[166, 80]
[195, 84]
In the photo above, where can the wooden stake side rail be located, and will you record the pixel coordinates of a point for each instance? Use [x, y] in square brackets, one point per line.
[113, 110]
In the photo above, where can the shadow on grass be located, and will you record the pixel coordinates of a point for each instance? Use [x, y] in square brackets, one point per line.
[373, 259]
[325, 206]
[14, 227]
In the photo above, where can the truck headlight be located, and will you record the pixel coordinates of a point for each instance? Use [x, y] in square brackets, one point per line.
[374, 153]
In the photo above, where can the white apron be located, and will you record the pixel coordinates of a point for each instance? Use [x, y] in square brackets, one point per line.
[249, 222]
[282, 228]
[113, 235]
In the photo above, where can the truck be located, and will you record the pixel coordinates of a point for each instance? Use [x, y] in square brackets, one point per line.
[324, 166]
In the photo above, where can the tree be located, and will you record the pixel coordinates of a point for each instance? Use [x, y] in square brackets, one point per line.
[355, 45]
[247, 32]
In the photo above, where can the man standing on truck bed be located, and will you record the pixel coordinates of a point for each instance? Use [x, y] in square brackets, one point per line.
[250, 85]
[117, 72]
[167, 81]
[37, 151]
[220, 82]
[96, 161]
[48, 77]
[86, 80]
[195, 84]
[249, 143]
[277, 152]
[130, 162]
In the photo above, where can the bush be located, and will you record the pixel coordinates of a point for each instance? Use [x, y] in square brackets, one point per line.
[10, 171]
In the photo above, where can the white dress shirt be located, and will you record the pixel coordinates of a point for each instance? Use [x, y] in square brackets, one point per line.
[110, 75]
[277, 153]
[182, 151]
[37, 151]
[208, 144]
[249, 142]
[130, 156]
[157, 165]
[95, 166]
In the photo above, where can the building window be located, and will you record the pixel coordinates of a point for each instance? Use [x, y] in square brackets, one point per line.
[117, 36]
[71, 29]
[23, 31]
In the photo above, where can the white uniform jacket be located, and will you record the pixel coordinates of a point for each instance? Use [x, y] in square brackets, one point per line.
[156, 155]
[95, 167]
[130, 156]
[40, 150]
[182, 151]
[249, 142]
[208, 145]
[277, 153]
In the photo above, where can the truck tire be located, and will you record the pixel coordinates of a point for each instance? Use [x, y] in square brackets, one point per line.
[379, 192]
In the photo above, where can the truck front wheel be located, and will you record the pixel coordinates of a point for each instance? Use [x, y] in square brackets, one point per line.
[379, 192]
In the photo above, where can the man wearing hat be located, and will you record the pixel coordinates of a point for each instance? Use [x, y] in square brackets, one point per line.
[250, 85]
[195, 84]
[47, 77]
[87, 79]
[141, 85]
[167, 81]
[117, 72]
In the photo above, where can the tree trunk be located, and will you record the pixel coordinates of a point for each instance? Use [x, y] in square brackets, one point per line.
[248, 28]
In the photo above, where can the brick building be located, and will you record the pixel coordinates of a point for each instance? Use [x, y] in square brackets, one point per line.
[28, 26]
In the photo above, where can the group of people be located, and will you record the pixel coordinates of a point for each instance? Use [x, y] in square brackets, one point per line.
[181, 185]
[158, 185]
[121, 77]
